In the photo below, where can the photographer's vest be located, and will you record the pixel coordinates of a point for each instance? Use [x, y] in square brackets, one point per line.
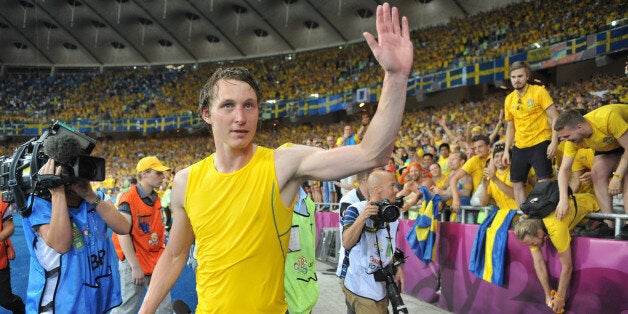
[364, 258]
[147, 231]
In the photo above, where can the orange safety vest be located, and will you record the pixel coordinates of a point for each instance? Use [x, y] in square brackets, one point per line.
[147, 231]
[4, 261]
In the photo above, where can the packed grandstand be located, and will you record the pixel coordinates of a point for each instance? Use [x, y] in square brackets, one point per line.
[35, 97]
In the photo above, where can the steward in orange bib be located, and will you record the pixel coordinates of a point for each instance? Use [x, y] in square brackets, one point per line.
[140, 250]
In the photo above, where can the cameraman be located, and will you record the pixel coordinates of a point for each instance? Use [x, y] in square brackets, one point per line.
[372, 242]
[72, 258]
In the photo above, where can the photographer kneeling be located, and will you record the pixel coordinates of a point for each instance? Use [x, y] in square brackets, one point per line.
[369, 232]
[72, 258]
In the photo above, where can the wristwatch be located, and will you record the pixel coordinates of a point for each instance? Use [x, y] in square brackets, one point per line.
[617, 175]
[95, 203]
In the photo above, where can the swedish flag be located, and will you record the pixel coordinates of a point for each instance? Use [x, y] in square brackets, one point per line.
[488, 255]
[422, 234]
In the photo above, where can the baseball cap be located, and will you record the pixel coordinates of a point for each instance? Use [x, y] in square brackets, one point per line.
[150, 162]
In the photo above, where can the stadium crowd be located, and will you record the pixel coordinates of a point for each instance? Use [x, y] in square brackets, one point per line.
[419, 127]
[31, 97]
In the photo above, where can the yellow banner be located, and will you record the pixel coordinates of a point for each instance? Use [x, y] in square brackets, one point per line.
[542, 53]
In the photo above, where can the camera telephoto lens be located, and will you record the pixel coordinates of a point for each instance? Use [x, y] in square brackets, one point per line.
[391, 213]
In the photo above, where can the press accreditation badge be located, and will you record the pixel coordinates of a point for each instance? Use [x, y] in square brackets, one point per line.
[295, 240]
[77, 237]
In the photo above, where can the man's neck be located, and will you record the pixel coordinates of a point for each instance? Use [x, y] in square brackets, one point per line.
[232, 160]
[145, 188]
[522, 91]
[587, 130]
[362, 191]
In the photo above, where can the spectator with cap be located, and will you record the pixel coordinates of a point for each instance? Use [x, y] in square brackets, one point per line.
[496, 179]
[140, 250]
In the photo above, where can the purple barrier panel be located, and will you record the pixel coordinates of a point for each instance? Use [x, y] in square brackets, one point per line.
[600, 275]
[421, 280]
[599, 281]
[325, 220]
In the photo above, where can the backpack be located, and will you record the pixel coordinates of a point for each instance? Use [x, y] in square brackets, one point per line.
[543, 199]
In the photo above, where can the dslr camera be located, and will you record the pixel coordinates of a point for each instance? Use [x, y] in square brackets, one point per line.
[387, 212]
[387, 275]
[19, 176]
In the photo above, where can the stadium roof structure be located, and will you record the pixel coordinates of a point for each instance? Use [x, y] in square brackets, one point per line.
[113, 33]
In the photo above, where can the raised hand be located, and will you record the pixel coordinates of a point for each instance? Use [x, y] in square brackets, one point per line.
[393, 48]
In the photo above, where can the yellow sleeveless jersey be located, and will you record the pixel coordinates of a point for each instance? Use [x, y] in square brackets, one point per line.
[242, 230]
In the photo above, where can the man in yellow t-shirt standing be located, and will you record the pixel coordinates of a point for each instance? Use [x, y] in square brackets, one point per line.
[529, 114]
[605, 130]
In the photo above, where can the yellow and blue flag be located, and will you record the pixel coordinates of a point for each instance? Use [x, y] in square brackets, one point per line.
[490, 245]
[422, 234]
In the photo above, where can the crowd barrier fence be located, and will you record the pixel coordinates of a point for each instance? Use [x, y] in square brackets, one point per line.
[599, 281]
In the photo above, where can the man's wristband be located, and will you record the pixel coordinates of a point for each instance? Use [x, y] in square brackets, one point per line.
[617, 175]
[95, 203]
[554, 295]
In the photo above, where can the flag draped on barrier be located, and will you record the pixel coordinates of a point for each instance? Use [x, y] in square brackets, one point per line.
[422, 234]
[488, 254]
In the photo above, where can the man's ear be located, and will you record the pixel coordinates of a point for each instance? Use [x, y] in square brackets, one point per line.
[207, 117]
[540, 233]
[376, 189]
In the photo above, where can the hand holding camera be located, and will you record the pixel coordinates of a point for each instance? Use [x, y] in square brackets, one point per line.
[48, 173]
[387, 211]
[370, 210]
[59, 157]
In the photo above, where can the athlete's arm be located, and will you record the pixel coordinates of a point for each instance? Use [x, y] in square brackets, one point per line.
[173, 259]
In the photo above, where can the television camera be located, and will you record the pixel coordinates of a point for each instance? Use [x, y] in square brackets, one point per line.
[69, 148]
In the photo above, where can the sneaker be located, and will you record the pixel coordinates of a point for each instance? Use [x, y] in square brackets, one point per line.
[598, 229]
[623, 234]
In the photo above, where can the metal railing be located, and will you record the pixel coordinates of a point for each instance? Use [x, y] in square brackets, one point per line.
[327, 207]
[617, 218]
